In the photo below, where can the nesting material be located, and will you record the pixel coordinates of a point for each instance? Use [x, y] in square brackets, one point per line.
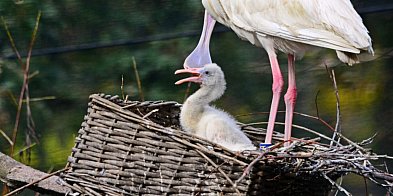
[130, 147]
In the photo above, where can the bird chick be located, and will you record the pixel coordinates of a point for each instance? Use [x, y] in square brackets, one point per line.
[201, 119]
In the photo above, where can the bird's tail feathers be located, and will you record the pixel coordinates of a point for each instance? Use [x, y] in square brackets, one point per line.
[347, 57]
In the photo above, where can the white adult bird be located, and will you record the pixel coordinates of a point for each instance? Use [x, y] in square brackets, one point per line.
[201, 119]
[290, 26]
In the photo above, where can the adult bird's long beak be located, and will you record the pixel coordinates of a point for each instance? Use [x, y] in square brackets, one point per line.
[196, 72]
[200, 56]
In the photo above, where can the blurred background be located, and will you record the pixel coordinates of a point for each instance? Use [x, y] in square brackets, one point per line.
[86, 47]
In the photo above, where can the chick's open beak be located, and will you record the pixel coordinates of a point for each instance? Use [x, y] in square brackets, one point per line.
[196, 72]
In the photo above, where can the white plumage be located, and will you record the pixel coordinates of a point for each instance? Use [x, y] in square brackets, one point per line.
[289, 26]
[201, 119]
[283, 24]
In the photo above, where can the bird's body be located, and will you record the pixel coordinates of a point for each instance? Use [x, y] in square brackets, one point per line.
[289, 26]
[201, 119]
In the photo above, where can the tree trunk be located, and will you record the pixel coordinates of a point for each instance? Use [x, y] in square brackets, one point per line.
[16, 174]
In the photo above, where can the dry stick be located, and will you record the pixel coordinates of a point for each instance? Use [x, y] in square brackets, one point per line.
[41, 98]
[138, 80]
[6, 137]
[389, 183]
[302, 128]
[337, 128]
[340, 183]
[12, 42]
[29, 116]
[25, 76]
[19, 105]
[220, 170]
[318, 116]
[29, 119]
[336, 185]
[150, 113]
[351, 142]
[365, 184]
[297, 113]
[24, 149]
[262, 154]
[122, 86]
[12, 97]
[32, 75]
[34, 182]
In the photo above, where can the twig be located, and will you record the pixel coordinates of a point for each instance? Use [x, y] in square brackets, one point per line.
[24, 149]
[122, 87]
[318, 117]
[36, 181]
[150, 113]
[6, 137]
[368, 140]
[19, 105]
[382, 176]
[340, 183]
[29, 122]
[389, 190]
[340, 188]
[29, 117]
[40, 99]
[297, 113]
[141, 96]
[12, 97]
[26, 68]
[351, 142]
[300, 127]
[365, 185]
[12, 42]
[337, 128]
[32, 75]
[316, 103]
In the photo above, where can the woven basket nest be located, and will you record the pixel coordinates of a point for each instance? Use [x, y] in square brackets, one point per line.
[130, 147]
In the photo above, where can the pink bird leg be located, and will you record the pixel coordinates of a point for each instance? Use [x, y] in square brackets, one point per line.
[290, 99]
[277, 86]
[200, 56]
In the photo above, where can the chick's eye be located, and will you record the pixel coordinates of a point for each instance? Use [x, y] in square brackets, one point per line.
[207, 72]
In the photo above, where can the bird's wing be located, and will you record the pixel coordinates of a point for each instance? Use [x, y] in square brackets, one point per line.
[325, 23]
[218, 126]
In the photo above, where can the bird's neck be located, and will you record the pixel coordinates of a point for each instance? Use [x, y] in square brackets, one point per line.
[195, 105]
[206, 94]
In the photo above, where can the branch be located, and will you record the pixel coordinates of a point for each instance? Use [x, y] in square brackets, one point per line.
[337, 128]
[340, 188]
[24, 90]
[15, 174]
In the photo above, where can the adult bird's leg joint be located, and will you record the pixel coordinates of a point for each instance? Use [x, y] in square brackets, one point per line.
[291, 94]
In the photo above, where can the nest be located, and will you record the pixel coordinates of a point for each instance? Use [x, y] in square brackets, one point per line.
[129, 147]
